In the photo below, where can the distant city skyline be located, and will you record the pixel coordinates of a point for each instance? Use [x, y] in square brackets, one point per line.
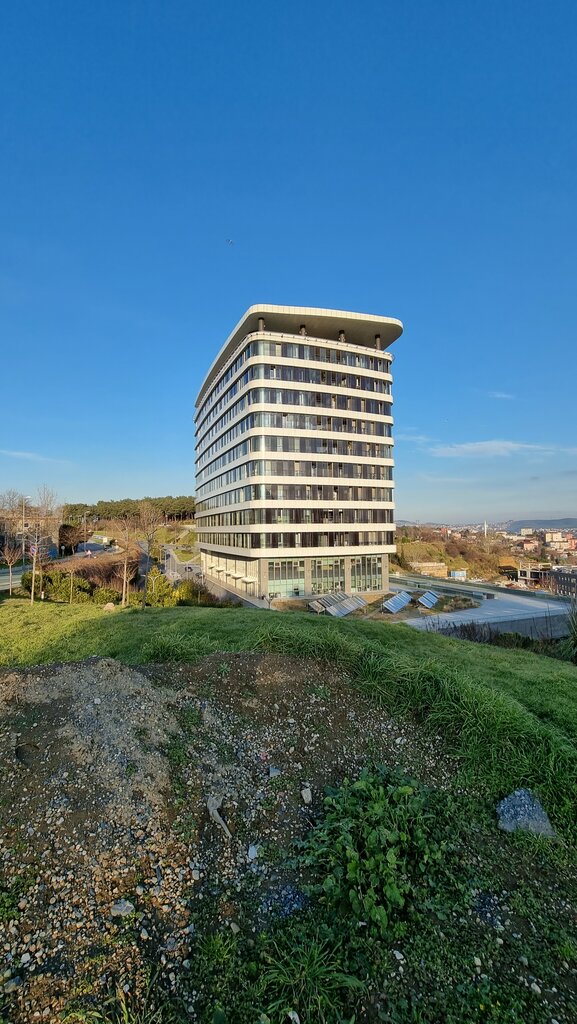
[404, 160]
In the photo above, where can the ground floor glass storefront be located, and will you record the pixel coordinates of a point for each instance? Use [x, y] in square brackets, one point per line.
[296, 577]
[286, 578]
[367, 573]
[327, 575]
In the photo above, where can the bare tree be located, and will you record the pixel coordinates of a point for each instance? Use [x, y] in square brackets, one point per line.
[14, 509]
[46, 519]
[10, 554]
[123, 528]
[150, 519]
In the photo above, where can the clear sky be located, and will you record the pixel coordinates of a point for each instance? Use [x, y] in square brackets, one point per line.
[416, 160]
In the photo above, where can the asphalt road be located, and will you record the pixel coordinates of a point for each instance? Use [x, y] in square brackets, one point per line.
[505, 605]
[5, 578]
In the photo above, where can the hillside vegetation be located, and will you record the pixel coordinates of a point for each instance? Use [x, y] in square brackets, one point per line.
[480, 558]
[512, 715]
[183, 865]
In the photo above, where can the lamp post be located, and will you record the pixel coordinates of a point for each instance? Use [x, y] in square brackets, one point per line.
[25, 498]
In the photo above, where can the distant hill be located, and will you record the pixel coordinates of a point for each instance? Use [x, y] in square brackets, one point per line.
[542, 524]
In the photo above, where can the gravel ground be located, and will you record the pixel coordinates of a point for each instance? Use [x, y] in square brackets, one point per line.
[135, 799]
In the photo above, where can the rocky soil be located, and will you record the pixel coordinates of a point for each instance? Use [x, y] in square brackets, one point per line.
[136, 802]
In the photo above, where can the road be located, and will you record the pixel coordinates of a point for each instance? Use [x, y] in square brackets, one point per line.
[504, 606]
[16, 577]
[175, 569]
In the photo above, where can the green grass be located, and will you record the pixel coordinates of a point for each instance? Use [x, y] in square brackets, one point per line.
[509, 716]
[186, 555]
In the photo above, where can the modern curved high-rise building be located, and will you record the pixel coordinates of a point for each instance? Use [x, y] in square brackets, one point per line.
[294, 454]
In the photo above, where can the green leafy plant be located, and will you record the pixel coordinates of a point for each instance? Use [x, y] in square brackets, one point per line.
[377, 844]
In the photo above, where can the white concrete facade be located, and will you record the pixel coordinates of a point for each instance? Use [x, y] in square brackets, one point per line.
[294, 453]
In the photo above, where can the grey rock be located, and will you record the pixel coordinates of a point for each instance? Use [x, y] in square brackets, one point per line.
[273, 772]
[123, 908]
[521, 810]
[12, 985]
[252, 852]
[306, 794]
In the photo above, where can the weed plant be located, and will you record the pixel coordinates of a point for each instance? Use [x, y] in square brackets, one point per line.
[379, 843]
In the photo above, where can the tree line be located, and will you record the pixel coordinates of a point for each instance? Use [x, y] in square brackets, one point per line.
[168, 507]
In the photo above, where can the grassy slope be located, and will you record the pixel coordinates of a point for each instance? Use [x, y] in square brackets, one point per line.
[510, 716]
[51, 632]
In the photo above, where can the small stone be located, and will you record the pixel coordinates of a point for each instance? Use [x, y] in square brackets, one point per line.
[306, 794]
[234, 928]
[523, 960]
[476, 961]
[97, 700]
[397, 953]
[196, 874]
[252, 852]
[123, 908]
[273, 772]
[12, 985]
[25, 958]
[499, 941]
[535, 988]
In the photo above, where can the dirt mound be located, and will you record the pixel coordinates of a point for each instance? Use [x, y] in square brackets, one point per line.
[139, 804]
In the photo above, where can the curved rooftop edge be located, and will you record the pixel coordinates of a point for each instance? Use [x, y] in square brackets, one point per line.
[359, 329]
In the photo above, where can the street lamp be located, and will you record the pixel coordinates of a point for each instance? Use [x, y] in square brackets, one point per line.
[25, 498]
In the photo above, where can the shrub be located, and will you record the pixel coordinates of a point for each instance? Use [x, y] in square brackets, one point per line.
[105, 595]
[160, 593]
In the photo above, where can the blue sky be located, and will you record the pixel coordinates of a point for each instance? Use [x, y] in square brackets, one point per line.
[416, 160]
